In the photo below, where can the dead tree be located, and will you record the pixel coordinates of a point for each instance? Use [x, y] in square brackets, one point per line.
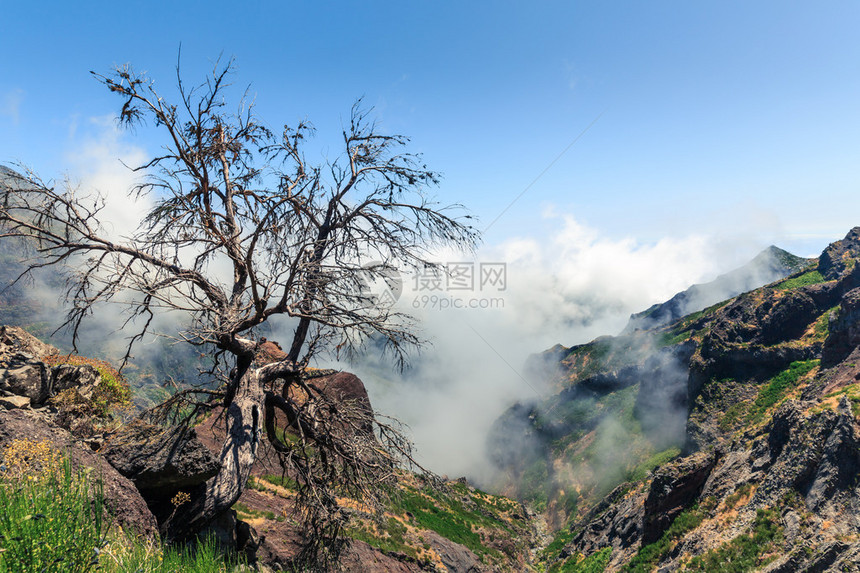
[243, 228]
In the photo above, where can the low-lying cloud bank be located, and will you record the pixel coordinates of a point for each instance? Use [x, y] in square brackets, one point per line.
[569, 290]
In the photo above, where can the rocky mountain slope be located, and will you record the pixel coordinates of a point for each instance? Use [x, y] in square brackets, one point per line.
[724, 440]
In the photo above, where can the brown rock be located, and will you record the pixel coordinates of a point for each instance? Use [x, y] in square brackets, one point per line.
[13, 402]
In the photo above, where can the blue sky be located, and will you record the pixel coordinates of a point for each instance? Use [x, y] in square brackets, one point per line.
[723, 118]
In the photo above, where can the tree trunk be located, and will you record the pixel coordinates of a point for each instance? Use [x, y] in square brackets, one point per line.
[244, 431]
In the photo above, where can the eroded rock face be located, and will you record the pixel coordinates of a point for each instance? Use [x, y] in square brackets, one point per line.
[121, 496]
[844, 335]
[674, 488]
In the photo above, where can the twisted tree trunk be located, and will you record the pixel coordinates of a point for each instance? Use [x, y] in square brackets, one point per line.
[244, 420]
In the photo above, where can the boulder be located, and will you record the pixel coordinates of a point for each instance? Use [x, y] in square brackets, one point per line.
[674, 488]
[25, 376]
[121, 496]
[159, 460]
[84, 378]
[12, 402]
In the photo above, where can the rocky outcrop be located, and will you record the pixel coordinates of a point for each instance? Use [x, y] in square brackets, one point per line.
[24, 372]
[674, 488]
[844, 328]
[838, 256]
[121, 496]
[25, 376]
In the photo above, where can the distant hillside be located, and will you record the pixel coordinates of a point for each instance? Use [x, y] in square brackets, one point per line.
[770, 265]
[729, 435]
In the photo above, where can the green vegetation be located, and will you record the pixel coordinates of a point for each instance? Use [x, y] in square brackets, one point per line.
[446, 516]
[776, 388]
[688, 326]
[671, 339]
[651, 554]
[112, 392]
[562, 538]
[736, 413]
[640, 472]
[745, 552]
[52, 516]
[283, 481]
[386, 536]
[735, 498]
[807, 278]
[594, 563]
[244, 513]
[821, 328]
[534, 485]
[54, 520]
[852, 392]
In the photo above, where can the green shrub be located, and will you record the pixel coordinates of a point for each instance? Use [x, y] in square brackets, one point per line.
[53, 520]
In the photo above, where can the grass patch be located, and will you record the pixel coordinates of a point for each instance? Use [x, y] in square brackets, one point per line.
[594, 563]
[671, 339]
[736, 413]
[448, 517]
[387, 536]
[244, 513]
[53, 519]
[806, 279]
[745, 552]
[650, 555]
[285, 482]
[776, 388]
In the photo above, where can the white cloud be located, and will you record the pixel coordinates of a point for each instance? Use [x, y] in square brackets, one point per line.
[10, 105]
[575, 287]
[100, 160]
